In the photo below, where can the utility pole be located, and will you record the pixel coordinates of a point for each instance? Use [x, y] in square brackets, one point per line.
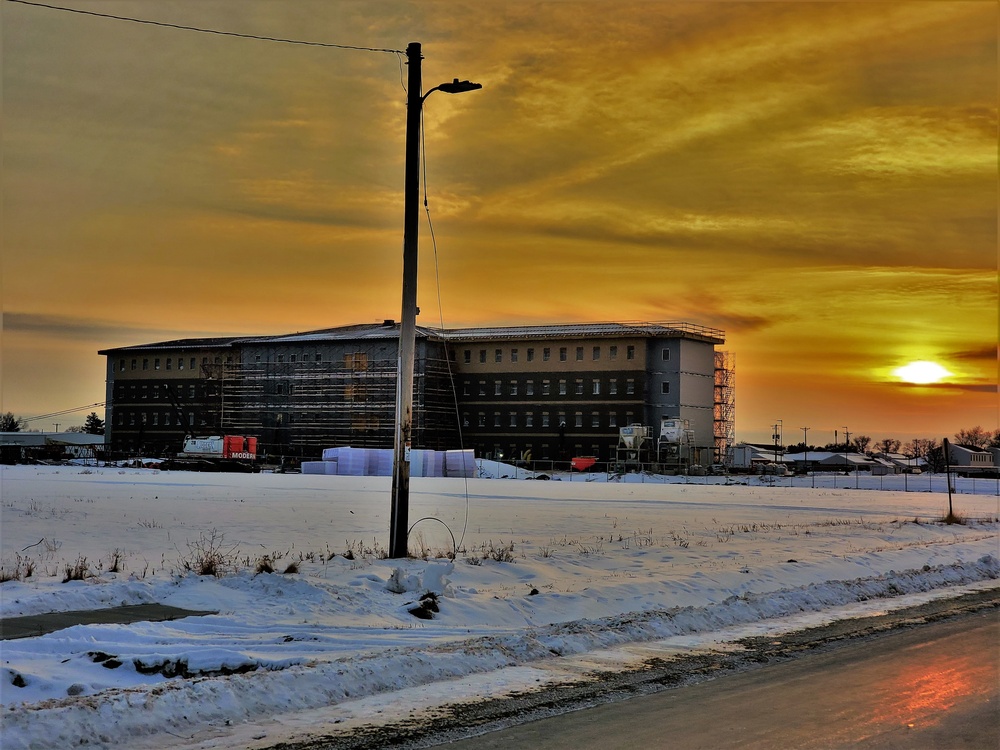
[399, 513]
[400, 503]
[847, 447]
[805, 447]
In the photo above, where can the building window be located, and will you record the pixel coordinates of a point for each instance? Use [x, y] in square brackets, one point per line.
[596, 390]
[664, 387]
[465, 419]
[595, 419]
[465, 388]
[579, 354]
[190, 419]
[145, 364]
[121, 365]
[170, 363]
[497, 388]
[630, 387]
[513, 419]
[145, 391]
[629, 352]
[482, 419]
[529, 420]
[613, 352]
[156, 419]
[131, 418]
[292, 358]
[613, 419]
[166, 419]
[319, 357]
[531, 355]
[192, 392]
[156, 391]
[513, 355]
[545, 419]
[134, 363]
[578, 419]
[546, 387]
[356, 361]
[482, 387]
[562, 387]
[579, 387]
[496, 419]
[546, 354]
[156, 363]
[498, 355]
[613, 387]
[513, 388]
[256, 358]
[563, 354]
[193, 365]
[665, 354]
[529, 388]
[597, 353]
[467, 356]
[180, 363]
[482, 356]
[281, 357]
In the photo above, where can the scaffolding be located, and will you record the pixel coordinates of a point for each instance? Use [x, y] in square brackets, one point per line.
[724, 422]
[299, 408]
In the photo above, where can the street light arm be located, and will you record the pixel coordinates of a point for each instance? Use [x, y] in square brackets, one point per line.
[455, 87]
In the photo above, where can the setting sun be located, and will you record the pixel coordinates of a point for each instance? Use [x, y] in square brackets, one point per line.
[921, 373]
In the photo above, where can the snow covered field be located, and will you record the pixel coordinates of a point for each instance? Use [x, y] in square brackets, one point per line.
[551, 578]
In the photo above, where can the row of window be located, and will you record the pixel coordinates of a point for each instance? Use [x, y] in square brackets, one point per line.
[145, 391]
[168, 363]
[545, 420]
[514, 386]
[545, 387]
[514, 354]
[155, 419]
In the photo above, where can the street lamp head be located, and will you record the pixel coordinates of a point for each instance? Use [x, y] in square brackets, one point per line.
[458, 87]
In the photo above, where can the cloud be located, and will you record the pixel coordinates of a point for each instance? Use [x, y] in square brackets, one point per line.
[988, 353]
[84, 329]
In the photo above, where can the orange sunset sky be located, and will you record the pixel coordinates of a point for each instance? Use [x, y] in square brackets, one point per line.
[817, 179]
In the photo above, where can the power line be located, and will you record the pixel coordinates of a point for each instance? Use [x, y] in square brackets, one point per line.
[64, 411]
[206, 31]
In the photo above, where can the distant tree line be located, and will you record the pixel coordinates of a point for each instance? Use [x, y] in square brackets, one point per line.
[928, 449]
[92, 425]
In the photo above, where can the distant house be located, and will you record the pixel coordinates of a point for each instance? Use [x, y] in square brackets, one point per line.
[968, 458]
[830, 461]
[746, 456]
[16, 446]
[902, 463]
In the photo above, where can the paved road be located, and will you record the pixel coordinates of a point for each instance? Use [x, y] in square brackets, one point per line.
[933, 686]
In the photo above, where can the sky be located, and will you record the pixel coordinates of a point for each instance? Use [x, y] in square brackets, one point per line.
[819, 180]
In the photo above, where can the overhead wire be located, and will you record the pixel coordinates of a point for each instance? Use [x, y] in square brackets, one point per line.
[202, 30]
[447, 359]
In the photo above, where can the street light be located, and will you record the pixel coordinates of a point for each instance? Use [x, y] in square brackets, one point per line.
[399, 515]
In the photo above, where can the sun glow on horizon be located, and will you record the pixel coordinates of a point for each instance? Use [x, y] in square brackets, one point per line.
[921, 372]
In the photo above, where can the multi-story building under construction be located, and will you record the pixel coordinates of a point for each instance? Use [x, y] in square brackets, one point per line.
[547, 392]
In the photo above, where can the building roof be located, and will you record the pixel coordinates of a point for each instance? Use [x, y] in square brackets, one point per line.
[389, 329]
[589, 330]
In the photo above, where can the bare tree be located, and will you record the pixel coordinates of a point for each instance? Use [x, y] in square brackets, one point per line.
[975, 437]
[888, 445]
[861, 443]
[920, 447]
